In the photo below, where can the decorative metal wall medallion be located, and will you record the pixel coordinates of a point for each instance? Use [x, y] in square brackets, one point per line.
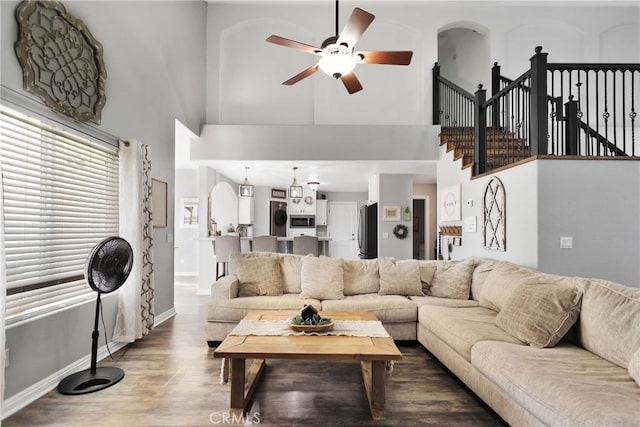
[494, 200]
[61, 60]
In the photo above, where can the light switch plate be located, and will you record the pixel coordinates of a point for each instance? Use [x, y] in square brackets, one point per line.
[385, 235]
[566, 242]
[470, 224]
[169, 237]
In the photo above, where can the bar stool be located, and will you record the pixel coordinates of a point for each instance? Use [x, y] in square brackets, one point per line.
[304, 245]
[223, 247]
[265, 244]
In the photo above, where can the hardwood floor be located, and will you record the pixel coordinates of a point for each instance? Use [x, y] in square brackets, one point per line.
[171, 379]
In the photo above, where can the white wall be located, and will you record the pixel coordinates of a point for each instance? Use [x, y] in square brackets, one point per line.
[246, 88]
[598, 204]
[395, 190]
[465, 58]
[521, 211]
[154, 57]
[186, 256]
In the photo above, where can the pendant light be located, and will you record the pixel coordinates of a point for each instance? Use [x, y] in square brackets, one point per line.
[295, 190]
[245, 189]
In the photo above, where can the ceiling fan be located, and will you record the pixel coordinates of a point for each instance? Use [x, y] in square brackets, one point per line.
[337, 55]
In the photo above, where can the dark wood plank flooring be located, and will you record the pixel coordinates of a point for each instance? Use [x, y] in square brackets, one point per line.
[172, 379]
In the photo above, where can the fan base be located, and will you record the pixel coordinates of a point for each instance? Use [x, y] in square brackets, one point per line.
[84, 382]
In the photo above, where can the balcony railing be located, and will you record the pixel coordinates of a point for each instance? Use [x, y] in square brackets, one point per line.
[551, 109]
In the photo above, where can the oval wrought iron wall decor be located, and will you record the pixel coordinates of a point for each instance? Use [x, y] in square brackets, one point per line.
[494, 201]
[61, 61]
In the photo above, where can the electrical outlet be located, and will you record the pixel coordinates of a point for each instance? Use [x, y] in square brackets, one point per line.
[385, 235]
[566, 242]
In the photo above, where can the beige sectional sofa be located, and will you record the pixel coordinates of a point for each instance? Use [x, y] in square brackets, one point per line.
[540, 349]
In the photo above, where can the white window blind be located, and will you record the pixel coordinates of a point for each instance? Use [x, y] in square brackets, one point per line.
[60, 199]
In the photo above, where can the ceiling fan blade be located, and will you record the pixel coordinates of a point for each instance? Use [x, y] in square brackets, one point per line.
[294, 44]
[390, 57]
[305, 73]
[358, 23]
[351, 82]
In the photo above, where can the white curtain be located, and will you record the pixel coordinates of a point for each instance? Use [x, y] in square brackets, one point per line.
[135, 303]
[3, 292]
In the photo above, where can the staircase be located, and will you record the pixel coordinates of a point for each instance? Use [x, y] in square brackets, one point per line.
[555, 110]
[502, 147]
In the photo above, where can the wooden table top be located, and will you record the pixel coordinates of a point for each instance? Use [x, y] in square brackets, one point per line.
[308, 346]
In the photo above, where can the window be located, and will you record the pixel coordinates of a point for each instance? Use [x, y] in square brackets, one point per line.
[60, 199]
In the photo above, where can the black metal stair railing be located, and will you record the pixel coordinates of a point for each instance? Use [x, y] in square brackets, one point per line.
[571, 109]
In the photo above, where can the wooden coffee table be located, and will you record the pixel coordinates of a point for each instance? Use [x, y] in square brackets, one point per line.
[371, 352]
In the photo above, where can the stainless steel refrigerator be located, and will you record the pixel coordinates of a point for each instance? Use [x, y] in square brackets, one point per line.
[368, 232]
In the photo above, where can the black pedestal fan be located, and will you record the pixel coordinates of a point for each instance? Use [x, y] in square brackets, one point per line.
[107, 267]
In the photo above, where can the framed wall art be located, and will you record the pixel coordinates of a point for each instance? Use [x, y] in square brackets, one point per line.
[277, 193]
[189, 213]
[450, 204]
[391, 213]
[159, 196]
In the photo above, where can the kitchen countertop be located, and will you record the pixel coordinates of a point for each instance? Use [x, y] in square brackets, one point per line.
[280, 239]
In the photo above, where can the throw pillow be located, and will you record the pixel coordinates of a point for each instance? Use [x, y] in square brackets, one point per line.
[291, 266]
[322, 278]
[634, 366]
[540, 315]
[501, 282]
[452, 280]
[427, 271]
[258, 276]
[361, 276]
[399, 277]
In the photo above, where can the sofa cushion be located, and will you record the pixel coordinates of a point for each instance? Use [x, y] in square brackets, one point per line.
[361, 276]
[481, 270]
[506, 277]
[563, 386]
[238, 257]
[634, 366]
[452, 279]
[540, 315]
[388, 308]
[427, 271]
[399, 277]
[322, 278]
[609, 325]
[258, 276]
[234, 310]
[444, 302]
[461, 328]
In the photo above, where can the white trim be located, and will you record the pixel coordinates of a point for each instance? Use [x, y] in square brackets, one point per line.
[28, 104]
[39, 389]
[29, 395]
[159, 319]
[186, 274]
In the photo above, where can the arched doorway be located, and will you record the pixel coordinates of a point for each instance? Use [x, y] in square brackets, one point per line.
[464, 55]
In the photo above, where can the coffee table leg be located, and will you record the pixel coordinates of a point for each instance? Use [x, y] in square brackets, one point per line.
[239, 400]
[373, 377]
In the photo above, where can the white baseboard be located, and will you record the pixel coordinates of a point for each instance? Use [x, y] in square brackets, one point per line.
[18, 401]
[157, 320]
[186, 274]
[204, 292]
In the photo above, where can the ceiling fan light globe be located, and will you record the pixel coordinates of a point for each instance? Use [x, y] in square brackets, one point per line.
[338, 64]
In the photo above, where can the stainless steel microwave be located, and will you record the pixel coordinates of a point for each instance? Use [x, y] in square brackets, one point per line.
[302, 221]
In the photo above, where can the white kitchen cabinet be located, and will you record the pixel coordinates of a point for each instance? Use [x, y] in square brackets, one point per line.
[245, 210]
[321, 212]
[304, 206]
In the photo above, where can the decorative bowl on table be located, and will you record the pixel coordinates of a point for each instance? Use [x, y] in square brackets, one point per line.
[317, 324]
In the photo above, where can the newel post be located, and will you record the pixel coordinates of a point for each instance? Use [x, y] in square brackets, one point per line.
[436, 94]
[539, 109]
[495, 88]
[480, 132]
[571, 127]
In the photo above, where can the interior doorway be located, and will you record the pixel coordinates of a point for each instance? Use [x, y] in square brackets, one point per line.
[342, 221]
[421, 232]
